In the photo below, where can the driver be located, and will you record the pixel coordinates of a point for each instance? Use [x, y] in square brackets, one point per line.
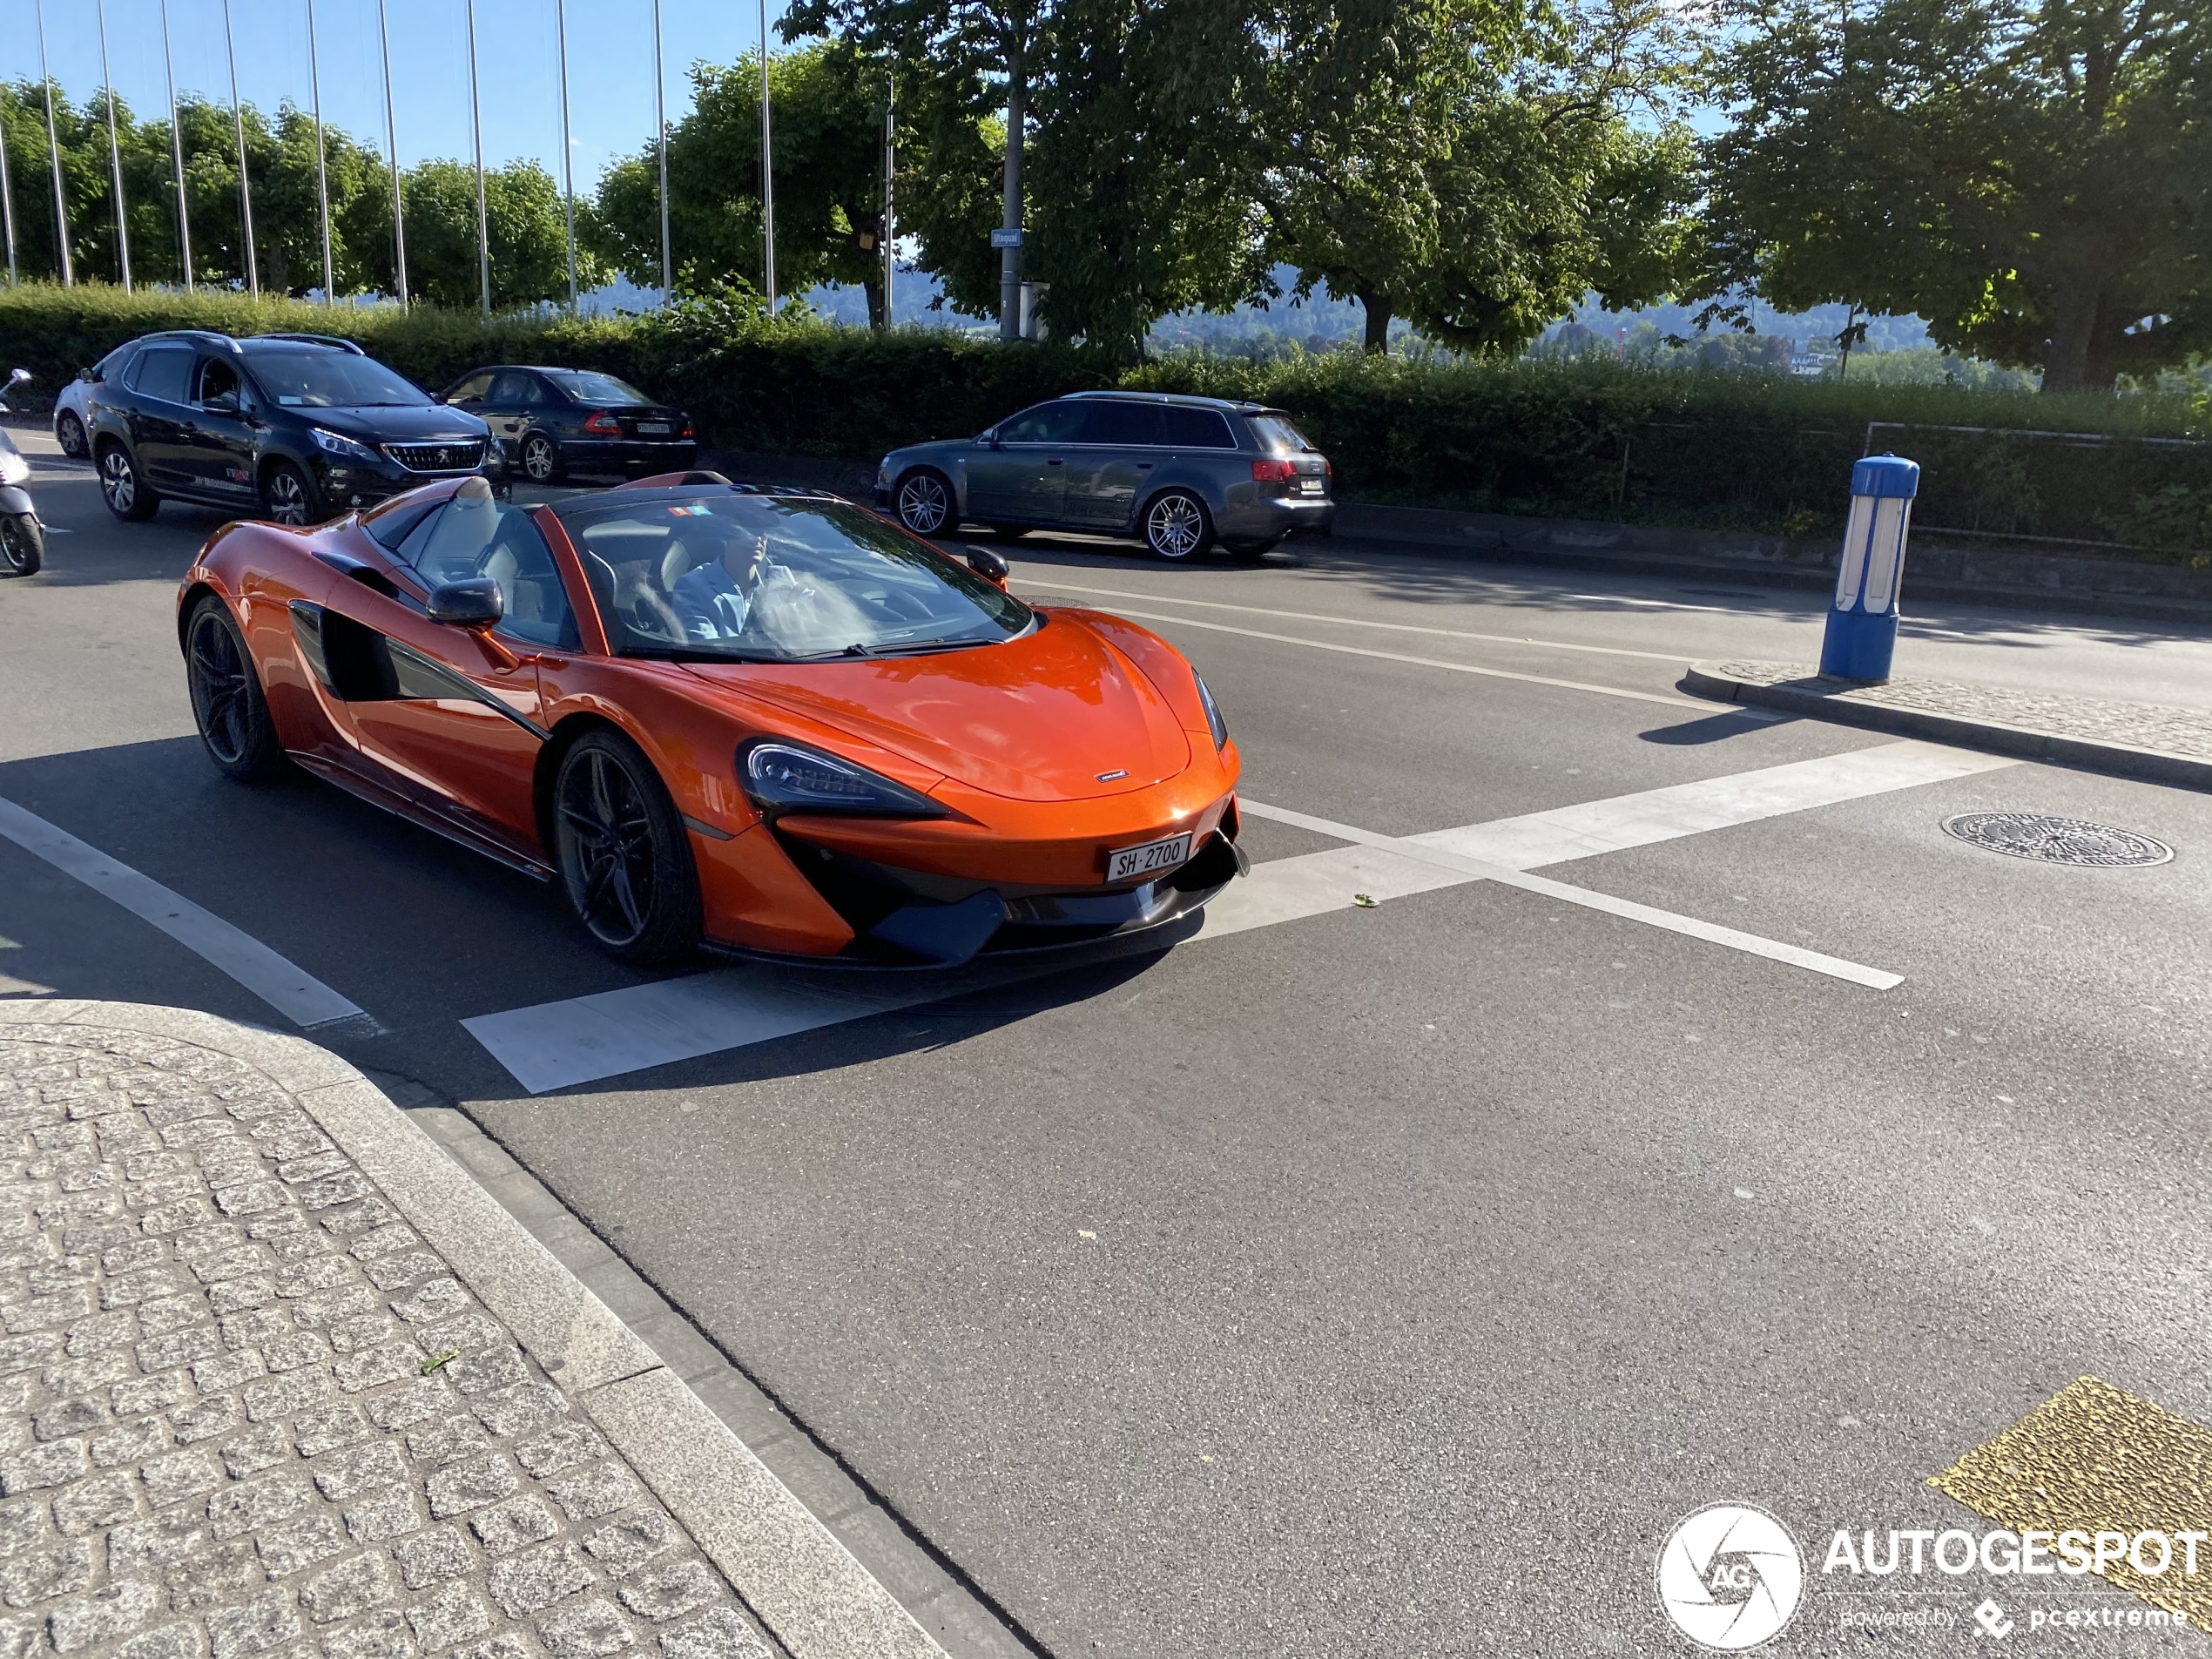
[715, 600]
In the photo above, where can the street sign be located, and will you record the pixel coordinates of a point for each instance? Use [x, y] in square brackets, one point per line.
[1006, 239]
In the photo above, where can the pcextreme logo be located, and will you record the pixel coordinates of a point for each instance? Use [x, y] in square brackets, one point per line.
[1730, 1577]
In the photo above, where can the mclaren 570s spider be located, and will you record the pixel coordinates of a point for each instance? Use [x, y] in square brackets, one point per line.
[759, 722]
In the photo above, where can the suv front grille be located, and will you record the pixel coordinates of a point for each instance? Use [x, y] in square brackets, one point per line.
[461, 456]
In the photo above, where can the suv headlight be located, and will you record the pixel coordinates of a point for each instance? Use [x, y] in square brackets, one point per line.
[783, 777]
[337, 443]
[1218, 726]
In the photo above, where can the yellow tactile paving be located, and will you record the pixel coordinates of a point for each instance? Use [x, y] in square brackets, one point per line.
[2096, 1457]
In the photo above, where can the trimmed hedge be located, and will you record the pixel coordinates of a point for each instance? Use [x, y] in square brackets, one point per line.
[1580, 439]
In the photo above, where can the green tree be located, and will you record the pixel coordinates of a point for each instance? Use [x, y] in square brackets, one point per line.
[2031, 176]
[527, 236]
[828, 101]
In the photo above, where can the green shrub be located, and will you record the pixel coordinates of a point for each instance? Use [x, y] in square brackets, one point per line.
[1587, 438]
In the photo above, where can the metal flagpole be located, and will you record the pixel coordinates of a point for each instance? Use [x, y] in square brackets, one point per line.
[115, 158]
[477, 128]
[392, 143]
[245, 184]
[8, 207]
[767, 172]
[567, 179]
[322, 172]
[177, 149]
[54, 154]
[890, 177]
[660, 124]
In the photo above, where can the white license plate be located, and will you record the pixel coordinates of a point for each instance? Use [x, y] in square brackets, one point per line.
[1310, 486]
[1126, 863]
[653, 429]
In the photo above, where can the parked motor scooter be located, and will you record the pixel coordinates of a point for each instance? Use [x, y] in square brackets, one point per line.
[23, 538]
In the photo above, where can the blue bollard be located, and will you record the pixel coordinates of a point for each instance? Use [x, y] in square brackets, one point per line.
[1862, 623]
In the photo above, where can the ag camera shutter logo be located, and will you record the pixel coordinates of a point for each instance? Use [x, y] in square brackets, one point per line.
[1730, 1577]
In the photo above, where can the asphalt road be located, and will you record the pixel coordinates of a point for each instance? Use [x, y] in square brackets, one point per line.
[1387, 1279]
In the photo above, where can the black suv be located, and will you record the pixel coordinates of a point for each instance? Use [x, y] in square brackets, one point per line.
[549, 422]
[298, 427]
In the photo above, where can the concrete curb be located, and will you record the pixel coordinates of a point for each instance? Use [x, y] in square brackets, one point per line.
[2152, 765]
[798, 1578]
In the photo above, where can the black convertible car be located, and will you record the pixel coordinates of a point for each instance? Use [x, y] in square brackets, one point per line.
[549, 422]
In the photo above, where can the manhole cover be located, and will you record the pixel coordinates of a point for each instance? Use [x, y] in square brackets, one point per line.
[2057, 841]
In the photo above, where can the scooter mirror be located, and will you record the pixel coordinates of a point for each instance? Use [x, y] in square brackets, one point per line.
[20, 377]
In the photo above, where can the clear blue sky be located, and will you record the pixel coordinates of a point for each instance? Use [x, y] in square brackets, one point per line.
[610, 64]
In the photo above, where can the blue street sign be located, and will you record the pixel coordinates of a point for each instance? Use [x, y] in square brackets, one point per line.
[1006, 239]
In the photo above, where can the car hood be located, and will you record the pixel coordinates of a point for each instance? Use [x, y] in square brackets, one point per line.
[400, 424]
[1036, 718]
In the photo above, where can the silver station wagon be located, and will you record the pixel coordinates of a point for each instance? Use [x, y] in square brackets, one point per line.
[1180, 473]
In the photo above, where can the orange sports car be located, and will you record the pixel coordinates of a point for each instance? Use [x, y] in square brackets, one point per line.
[761, 721]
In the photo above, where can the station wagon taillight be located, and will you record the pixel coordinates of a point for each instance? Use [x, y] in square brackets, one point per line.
[603, 425]
[1273, 472]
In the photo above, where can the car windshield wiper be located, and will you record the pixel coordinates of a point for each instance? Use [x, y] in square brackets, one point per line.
[678, 654]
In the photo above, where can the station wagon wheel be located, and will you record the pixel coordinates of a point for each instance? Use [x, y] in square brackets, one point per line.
[226, 700]
[623, 856]
[125, 494]
[925, 502]
[1175, 526]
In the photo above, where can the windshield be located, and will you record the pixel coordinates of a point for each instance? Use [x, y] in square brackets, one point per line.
[587, 387]
[1275, 433]
[719, 577]
[320, 379]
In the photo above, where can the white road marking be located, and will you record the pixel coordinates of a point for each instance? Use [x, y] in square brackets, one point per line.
[292, 991]
[1699, 704]
[556, 1045]
[1467, 869]
[1363, 621]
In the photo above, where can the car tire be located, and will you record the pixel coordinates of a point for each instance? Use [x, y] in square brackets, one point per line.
[69, 432]
[289, 497]
[1177, 526]
[1251, 552]
[226, 701]
[923, 501]
[540, 459]
[23, 544]
[625, 861]
[124, 490]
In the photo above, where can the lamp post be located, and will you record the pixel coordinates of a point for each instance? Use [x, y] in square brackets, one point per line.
[392, 142]
[476, 137]
[244, 184]
[54, 154]
[568, 162]
[660, 126]
[890, 177]
[175, 150]
[767, 173]
[322, 176]
[115, 158]
[8, 207]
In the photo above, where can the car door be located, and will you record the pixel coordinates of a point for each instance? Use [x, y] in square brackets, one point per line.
[218, 432]
[447, 717]
[160, 388]
[1121, 444]
[1021, 478]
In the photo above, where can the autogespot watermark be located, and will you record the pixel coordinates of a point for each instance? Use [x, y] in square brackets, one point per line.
[1731, 1578]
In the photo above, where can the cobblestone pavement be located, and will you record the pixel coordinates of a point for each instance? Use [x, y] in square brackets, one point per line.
[2137, 726]
[245, 1411]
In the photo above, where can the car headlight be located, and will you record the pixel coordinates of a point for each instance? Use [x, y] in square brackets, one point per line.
[783, 777]
[337, 443]
[1218, 726]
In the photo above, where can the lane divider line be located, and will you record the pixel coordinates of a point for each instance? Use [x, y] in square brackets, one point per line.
[1698, 703]
[1690, 927]
[1362, 622]
[284, 985]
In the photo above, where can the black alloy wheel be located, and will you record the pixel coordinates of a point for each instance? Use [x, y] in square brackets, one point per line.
[226, 701]
[1176, 527]
[541, 460]
[69, 432]
[623, 855]
[124, 492]
[925, 502]
[23, 544]
[290, 497]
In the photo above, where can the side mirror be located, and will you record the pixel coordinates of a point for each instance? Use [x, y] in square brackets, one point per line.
[473, 603]
[221, 403]
[992, 567]
[21, 377]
